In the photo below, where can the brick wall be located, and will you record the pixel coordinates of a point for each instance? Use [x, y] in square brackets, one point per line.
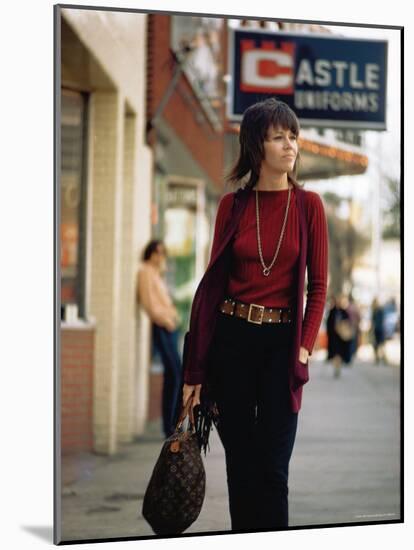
[77, 364]
[126, 326]
[119, 174]
[105, 260]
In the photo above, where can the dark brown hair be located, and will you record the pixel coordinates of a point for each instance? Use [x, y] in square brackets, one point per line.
[151, 248]
[256, 121]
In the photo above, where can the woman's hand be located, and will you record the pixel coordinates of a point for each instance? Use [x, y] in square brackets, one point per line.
[173, 321]
[188, 390]
[303, 355]
[170, 325]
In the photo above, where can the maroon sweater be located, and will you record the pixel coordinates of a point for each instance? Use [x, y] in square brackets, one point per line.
[246, 281]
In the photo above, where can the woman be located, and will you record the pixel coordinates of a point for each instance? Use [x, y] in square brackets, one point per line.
[154, 297]
[248, 342]
[355, 318]
[330, 328]
[343, 333]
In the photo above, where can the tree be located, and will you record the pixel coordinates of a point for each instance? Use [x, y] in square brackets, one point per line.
[346, 245]
[391, 210]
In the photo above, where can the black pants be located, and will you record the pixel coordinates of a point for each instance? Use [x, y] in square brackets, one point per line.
[166, 343]
[257, 427]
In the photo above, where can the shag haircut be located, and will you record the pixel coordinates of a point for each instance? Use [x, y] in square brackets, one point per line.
[257, 121]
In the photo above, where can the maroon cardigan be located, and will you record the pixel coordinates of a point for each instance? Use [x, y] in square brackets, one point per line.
[210, 292]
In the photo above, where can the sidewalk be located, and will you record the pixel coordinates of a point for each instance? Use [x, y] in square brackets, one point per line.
[344, 467]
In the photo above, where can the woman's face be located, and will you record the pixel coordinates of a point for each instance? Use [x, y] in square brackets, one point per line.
[280, 150]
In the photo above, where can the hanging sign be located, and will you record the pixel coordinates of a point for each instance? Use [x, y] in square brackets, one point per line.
[329, 81]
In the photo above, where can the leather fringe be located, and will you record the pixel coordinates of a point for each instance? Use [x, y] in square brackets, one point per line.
[205, 416]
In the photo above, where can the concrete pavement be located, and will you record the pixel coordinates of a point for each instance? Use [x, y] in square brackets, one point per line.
[345, 465]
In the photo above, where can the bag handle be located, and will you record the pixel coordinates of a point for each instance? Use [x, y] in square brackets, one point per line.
[186, 409]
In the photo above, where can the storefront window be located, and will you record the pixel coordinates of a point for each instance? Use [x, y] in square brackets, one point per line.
[73, 202]
[185, 239]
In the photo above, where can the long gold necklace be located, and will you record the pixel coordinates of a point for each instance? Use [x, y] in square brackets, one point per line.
[266, 269]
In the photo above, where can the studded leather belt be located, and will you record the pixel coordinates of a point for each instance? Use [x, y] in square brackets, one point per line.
[255, 313]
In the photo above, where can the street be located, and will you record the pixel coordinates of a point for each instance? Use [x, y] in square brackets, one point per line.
[345, 465]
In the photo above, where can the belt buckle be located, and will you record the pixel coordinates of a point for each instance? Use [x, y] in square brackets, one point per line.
[250, 311]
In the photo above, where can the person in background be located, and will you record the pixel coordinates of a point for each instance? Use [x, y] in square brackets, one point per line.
[330, 332]
[355, 317]
[377, 331]
[153, 296]
[343, 333]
